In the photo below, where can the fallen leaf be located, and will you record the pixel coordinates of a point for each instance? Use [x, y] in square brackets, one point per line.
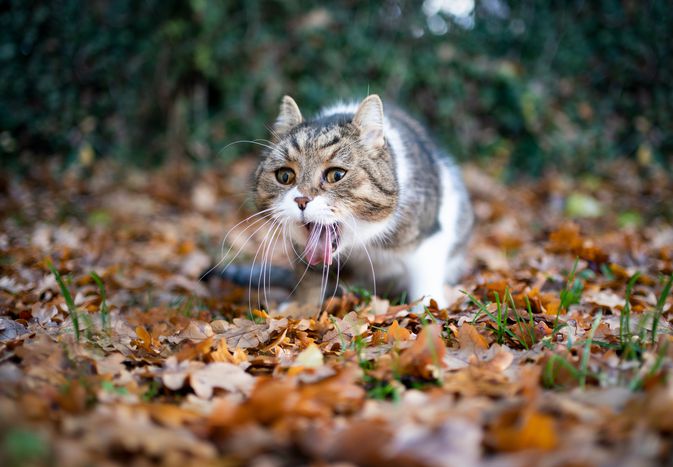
[425, 357]
[470, 340]
[397, 333]
[529, 430]
[220, 375]
[197, 330]
[310, 357]
[10, 330]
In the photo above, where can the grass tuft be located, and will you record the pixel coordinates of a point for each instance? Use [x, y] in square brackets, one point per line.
[629, 349]
[659, 310]
[104, 310]
[70, 303]
[586, 354]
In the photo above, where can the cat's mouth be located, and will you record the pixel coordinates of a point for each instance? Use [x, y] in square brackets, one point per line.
[322, 242]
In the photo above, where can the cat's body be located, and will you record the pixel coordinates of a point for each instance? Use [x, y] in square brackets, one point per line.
[372, 194]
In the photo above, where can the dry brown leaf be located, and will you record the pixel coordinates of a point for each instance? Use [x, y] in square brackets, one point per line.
[197, 330]
[502, 359]
[425, 357]
[175, 373]
[247, 334]
[470, 340]
[220, 375]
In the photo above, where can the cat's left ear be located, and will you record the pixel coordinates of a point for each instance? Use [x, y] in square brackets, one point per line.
[288, 117]
[369, 119]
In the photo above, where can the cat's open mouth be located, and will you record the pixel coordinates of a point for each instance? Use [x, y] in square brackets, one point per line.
[322, 242]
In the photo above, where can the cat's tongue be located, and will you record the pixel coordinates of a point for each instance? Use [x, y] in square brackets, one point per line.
[319, 245]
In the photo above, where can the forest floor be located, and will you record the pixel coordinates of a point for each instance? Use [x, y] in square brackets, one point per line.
[556, 348]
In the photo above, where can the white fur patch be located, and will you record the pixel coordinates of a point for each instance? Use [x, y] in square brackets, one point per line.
[317, 210]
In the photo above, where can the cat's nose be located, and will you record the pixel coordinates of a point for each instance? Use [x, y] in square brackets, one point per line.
[302, 201]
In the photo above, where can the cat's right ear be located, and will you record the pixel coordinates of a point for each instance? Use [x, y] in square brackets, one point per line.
[369, 119]
[288, 117]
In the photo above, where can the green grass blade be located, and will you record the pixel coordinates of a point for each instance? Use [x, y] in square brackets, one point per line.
[510, 299]
[548, 372]
[104, 311]
[625, 315]
[660, 307]
[70, 303]
[584, 366]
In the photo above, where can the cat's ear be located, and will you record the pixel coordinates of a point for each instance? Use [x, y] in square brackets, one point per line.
[288, 117]
[369, 119]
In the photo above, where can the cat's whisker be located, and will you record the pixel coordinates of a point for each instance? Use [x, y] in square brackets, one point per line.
[364, 247]
[296, 258]
[336, 285]
[324, 275]
[222, 252]
[273, 133]
[261, 278]
[308, 266]
[289, 235]
[247, 240]
[221, 151]
[311, 242]
[261, 213]
[254, 260]
[268, 262]
[240, 249]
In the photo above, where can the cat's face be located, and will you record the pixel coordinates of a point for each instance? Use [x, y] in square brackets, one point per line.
[330, 184]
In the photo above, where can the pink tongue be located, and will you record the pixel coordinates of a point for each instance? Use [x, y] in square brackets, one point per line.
[319, 245]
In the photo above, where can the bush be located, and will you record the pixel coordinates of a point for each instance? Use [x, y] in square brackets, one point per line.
[526, 83]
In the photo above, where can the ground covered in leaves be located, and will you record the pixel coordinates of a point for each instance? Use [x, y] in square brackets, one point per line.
[556, 348]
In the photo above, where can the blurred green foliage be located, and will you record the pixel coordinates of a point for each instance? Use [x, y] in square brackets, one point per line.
[525, 83]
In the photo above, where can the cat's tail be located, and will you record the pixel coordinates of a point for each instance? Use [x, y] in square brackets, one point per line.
[247, 274]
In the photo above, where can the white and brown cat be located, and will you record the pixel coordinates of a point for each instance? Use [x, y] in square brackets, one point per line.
[367, 195]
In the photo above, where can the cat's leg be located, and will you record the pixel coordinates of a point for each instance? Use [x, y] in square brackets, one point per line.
[427, 269]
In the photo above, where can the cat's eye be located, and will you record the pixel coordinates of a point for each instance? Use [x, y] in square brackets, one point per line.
[334, 174]
[285, 175]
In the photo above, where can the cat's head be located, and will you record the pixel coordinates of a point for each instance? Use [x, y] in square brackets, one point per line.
[331, 181]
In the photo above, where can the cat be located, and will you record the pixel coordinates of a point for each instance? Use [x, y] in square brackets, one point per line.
[356, 189]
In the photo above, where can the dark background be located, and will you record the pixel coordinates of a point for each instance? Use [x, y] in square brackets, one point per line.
[526, 84]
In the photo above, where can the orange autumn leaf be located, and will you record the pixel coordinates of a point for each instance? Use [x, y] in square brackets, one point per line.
[533, 430]
[192, 351]
[379, 337]
[397, 333]
[145, 338]
[425, 355]
[223, 354]
[567, 239]
[170, 415]
[470, 339]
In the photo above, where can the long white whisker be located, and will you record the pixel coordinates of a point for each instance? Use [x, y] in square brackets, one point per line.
[254, 260]
[323, 280]
[266, 265]
[266, 221]
[287, 253]
[219, 153]
[364, 247]
[336, 285]
[298, 257]
[222, 253]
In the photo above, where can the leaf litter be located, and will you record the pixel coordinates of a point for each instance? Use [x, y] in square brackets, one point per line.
[556, 349]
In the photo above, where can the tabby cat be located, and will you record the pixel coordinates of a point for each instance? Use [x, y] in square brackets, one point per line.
[360, 190]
